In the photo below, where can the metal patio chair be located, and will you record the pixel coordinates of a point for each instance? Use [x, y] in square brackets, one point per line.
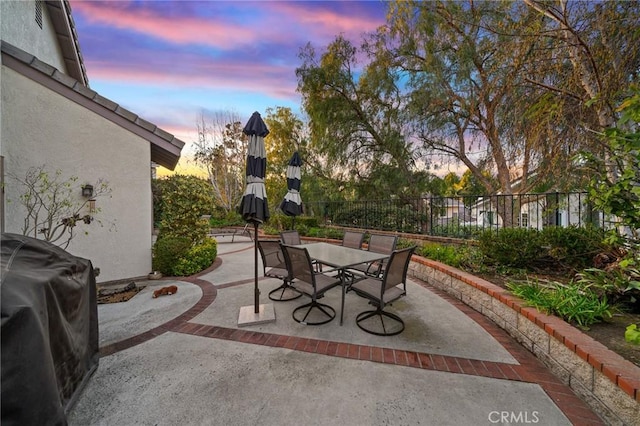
[311, 283]
[290, 238]
[378, 243]
[353, 239]
[275, 266]
[383, 291]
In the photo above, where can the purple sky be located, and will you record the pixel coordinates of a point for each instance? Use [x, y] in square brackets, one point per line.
[168, 60]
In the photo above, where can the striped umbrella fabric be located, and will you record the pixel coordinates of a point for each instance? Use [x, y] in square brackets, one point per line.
[253, 206]
[292, 203]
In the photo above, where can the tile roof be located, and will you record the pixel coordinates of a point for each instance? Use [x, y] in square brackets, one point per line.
[165, 148]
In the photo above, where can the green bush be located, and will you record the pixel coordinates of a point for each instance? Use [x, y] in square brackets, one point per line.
[167, 251]
[572, 247]
[196, 259]
[282, 222]
[185, 199]
[513, 247]
[448, 255]
[177, 256]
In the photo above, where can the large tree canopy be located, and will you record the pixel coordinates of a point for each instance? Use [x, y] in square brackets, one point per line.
[510, 89]
[356, 118]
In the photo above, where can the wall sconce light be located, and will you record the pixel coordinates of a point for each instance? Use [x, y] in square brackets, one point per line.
[87, 191]
[92, 206]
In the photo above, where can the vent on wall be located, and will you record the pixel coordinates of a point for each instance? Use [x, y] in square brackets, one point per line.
[39, 12]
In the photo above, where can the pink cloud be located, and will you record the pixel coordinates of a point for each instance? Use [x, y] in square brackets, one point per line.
[327, 22]
[279, 22]
[176, 29]
[263, 78]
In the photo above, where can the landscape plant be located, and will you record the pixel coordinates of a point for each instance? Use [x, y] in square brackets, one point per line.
[53, 207]
[182, 247]
[617, 194]
[572, 302]
[185, 200]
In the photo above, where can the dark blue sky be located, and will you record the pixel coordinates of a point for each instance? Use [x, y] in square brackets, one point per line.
[169, 60]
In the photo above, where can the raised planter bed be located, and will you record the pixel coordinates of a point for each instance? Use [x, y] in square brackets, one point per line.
[607, 382]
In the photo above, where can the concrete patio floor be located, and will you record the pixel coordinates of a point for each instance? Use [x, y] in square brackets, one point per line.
[182, 359]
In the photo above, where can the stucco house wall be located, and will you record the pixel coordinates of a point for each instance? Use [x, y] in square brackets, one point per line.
[20, 28]
[61, 134]
[51, 117]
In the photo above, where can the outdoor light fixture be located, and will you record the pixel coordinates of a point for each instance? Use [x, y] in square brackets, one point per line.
[92, 205]
[87, 191]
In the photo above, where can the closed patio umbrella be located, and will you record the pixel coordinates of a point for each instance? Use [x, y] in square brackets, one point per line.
[253, 206]
[292, 203]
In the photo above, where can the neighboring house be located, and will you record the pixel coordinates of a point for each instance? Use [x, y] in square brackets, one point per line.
[451, 211]
[49, 116]
[536, 210]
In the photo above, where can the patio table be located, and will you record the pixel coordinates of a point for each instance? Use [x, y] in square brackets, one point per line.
[341, 258]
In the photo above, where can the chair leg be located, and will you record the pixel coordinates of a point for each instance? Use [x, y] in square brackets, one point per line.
[292, 294]
[319, 306]
[362, 316]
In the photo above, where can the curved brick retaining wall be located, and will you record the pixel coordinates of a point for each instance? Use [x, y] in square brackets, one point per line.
[606, 381]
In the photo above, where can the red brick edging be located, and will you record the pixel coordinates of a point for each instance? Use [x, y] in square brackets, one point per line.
[583, 363]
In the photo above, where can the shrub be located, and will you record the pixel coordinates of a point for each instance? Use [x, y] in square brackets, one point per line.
[177, 256]
[185, 199]
[448, 255]
[514, 247]
[573, 247]
[167, 251]
[197, 258]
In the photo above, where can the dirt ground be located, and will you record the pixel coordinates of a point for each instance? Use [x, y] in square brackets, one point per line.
[117, 296]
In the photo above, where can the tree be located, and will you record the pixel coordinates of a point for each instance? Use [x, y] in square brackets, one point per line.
[355, 119]
[53, 210]
[620, 196]
[222, 149]
[459, 77]
[284, 138]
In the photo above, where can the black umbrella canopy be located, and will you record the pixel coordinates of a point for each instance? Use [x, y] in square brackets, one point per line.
[254, 201]
[292, 203]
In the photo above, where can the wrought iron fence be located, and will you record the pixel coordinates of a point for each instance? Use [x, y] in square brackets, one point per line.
[461, 217]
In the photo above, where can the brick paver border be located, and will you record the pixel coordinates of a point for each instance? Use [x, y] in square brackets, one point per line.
[529, 369]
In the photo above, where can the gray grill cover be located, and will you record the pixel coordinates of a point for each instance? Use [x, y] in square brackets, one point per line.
[49, 330]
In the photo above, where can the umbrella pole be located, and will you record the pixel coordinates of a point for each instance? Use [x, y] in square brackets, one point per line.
[255, 262]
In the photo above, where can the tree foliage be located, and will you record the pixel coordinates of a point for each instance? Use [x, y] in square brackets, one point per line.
[284, 138]
[222, 149]
[507, 88]
[620, 196]
[53, 206]
[355, 119]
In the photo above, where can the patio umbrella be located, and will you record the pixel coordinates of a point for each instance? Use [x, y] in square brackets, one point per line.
[292, 203]
[253, 206]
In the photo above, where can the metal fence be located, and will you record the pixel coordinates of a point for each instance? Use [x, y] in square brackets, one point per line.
[461, 217]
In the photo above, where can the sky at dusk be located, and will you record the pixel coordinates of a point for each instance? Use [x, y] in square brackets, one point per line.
[169, 60]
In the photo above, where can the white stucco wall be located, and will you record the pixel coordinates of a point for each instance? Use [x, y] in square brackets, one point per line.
[19, 27]
[42, 127]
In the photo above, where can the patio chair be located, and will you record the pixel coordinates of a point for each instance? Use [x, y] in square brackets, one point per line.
[311, 283]
[275, 266]
[290, 238]
[353, 239]
[378, 243]
[383, 291]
